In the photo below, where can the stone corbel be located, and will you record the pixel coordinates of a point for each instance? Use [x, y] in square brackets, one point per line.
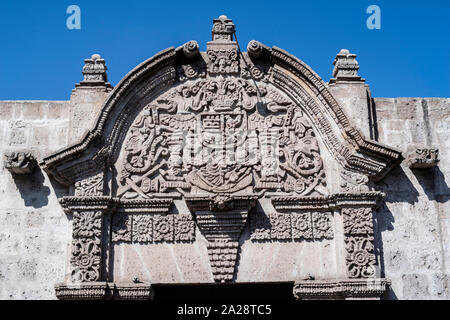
[422, 157]
[19, 162]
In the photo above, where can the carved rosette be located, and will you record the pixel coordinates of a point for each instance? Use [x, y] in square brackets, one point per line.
[152, 228]
[358, 231]
[86, 246]
[293, 226]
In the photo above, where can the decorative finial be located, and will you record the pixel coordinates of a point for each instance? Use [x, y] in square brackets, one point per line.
[345, 67]
[94, 72]
[223, 29]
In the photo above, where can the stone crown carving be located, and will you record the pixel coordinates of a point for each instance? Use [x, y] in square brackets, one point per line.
[94, 73]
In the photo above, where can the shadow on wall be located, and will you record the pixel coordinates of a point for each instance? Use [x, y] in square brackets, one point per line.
[33, 191]
[399, 188]
[433, 183]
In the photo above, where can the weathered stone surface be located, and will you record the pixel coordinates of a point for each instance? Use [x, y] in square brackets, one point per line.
[224, 166]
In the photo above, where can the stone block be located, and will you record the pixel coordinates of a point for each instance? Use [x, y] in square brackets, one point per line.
[396, 261]
[439, 286]
[34, 219]
[19, 132]
[58, 137]
[58, 110]
[415, 286]
[40, 136]
[408, 108]
[425, 259]
[33, 110]
[27, 269]
[7, 110]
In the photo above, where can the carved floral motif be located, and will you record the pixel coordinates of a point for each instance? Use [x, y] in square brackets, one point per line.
[85, 260]
[86, 246]
[358, 231]
[292, 226]
[360, 257]
[357, 220]
[163, 228]
[142, 228]
[302, 226]
[87, 224]
[322, 225]
[184, 228]
[281, 226]
[147, 228]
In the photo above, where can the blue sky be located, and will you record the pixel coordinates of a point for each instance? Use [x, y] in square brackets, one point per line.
[41, 59]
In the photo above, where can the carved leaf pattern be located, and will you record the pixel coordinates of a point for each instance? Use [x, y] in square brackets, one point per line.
[85, 260]
[360, 257]
[91, 186]
[121, 227]
[357, 221]
[358, 231]
[87, 224]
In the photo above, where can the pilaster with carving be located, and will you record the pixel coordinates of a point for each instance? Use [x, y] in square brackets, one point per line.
[86, 246]
[359, 242]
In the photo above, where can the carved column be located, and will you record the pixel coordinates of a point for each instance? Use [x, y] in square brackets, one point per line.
[87, 237]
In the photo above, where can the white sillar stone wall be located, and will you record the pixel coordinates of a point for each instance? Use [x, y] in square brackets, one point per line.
[415, 222]
[413, 226]
[34, 231]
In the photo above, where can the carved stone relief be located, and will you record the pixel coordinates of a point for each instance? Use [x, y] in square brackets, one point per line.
[422, 158]
[149, 228]
[221, 130]
[291, 226]
[19, 162]
[358, 232]
[86, 246]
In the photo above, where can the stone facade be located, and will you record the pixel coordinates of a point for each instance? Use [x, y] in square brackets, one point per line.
[225, 166]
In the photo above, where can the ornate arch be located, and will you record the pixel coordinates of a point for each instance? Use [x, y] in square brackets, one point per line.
[133, 170]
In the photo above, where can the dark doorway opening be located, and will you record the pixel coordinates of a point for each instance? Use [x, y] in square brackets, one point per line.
[225, 292]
